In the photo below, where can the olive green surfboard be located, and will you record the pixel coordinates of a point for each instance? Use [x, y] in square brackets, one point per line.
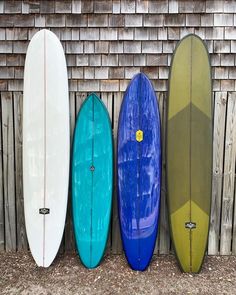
[189, 151]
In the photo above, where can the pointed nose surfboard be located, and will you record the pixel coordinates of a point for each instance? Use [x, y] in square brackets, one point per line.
[92, 180]
[189, 151]
[46, 145]
[139, 171]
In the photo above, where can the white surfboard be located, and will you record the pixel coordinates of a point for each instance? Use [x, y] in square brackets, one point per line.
[46, 145]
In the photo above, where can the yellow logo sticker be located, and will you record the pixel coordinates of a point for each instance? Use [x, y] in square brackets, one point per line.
[139, 135]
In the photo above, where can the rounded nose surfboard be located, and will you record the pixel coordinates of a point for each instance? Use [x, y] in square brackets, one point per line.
[189, 151]
[92, 180]
[139, 171]
[46, 145]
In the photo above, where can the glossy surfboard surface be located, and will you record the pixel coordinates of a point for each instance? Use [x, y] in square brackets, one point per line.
[46, 145]
[189, 151]
[92, 180]
[139, 171]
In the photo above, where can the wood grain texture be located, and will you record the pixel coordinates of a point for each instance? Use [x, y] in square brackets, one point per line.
[161, 110]
[229, 177]
[234, 227]
[2, 223]
[8, 171]
[217, 173]
[116, 237]
[11, 112]
[164, 234]
[69, 232]
[22, 243]
[79, 98]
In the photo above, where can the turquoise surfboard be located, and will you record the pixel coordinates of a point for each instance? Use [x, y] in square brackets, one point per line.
[92, 180]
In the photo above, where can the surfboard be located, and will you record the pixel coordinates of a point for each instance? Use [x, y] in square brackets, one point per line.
[46, 145]
[92, 180]
[189, 151]
[139, 171]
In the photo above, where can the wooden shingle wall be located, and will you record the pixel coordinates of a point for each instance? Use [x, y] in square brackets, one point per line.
[106, 43]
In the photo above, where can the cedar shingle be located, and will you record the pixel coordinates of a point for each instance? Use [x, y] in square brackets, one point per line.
[97, 20]
[63, 7]
[128, 6]
[47, 6]
[12, 6]
[132, 46]
[55, 20]
[101, 47]
[133, 20]
[104, 6]
[76, 6]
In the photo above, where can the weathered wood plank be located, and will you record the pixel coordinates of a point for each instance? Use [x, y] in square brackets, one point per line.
[234, 218]
[164, 235]
[79, 99]
[22, 243]
[161, 109]
[69, 232]
[222, 222]
[107, 99]
[2, 231]
[8, 171]
[217, 171]
[116, 238]
[229, 177]
[234, 225]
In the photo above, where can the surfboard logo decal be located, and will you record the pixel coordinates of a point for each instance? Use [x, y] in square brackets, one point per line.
[190, 225]
[139, 135]
[44, 211]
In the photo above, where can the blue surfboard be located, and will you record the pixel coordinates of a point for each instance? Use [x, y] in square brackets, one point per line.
[139, 171]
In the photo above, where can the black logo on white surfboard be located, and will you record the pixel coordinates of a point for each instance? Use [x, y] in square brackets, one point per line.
[44, 211]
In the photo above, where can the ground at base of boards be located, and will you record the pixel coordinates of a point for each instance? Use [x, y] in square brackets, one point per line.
[20, 275]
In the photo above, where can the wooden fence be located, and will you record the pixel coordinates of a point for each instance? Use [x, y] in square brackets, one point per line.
[222, 234]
